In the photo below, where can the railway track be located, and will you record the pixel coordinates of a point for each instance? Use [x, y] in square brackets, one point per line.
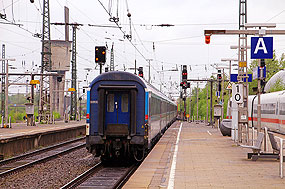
[18, 163]
[100, 176]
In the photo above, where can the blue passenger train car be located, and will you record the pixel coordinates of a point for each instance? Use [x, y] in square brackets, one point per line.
[126, 116]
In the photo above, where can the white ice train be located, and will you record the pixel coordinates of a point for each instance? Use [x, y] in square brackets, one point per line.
[272, 111]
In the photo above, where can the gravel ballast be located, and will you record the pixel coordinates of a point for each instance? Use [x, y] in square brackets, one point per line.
[51, 174]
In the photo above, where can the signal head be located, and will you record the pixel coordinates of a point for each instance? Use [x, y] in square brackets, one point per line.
[140, 71]
[184, 72]
[100, 54]
[207, 39]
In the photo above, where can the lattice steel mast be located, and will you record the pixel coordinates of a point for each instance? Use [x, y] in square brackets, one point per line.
[3, 83]
[44, 109]
[242, 58]
[112, 63]
[73, 108]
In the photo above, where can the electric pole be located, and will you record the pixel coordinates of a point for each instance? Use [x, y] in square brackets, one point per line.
[207, 114]
[149, 69]
[223, 81]
[230, 60]
[211, 103]
[6, 93]
[3, 83]
[190, 104]
[242, 70]
[112, 63]
[73, 108]
[44, 108]
[197, 91]
[6, 87]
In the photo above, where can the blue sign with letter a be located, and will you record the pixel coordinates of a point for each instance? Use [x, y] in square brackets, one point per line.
[261, 47]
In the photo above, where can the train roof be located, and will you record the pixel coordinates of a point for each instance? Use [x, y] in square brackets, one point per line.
[126, 76]
[279, 76]
[117, 75]
[157, 92]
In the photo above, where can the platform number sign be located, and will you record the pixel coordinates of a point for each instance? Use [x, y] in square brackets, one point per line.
[237, 91]
[261, 47]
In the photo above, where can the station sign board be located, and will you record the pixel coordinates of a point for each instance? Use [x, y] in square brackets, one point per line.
[234, 78]
[237, 93]
[218, 93]
[34, 82]
[71, 89]
[256, 72]
[261, 47]
[229, 86]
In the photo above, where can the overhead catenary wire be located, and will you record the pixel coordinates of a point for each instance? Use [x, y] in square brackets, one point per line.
[11, 4]
[20, 26]
[275, 15]
[125, 34]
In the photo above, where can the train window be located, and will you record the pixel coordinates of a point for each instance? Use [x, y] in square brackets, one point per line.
[282, 109]
[125, 102]
[110, 103]
[267, 109]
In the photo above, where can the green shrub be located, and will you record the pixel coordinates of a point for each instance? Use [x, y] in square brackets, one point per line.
[56, 115]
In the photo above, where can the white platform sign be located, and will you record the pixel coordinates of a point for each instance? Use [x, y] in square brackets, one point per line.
[237, 91]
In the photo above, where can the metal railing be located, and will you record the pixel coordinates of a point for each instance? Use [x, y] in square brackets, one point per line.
[280, 156]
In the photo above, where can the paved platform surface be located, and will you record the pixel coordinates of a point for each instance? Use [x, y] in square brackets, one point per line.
[203, 158]
[19, 129]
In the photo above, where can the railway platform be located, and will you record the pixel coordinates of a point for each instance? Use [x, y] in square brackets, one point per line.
[191, 155]
[21, 138]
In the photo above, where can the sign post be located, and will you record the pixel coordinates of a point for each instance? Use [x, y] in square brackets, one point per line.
[237, 98]
[237, 90]
[262, 48]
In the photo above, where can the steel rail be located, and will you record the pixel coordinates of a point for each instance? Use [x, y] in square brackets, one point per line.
[26, 155]
[122, 181]
[84, 176]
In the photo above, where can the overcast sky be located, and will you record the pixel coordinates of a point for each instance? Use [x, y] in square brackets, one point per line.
[181, 44]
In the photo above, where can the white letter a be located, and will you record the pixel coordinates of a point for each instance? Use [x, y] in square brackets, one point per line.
[262, 47]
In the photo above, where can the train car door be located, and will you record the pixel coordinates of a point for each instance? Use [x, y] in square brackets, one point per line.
[117, 115]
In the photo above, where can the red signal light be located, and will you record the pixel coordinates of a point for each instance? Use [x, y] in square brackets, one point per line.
[207, 39]
[146, 117]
